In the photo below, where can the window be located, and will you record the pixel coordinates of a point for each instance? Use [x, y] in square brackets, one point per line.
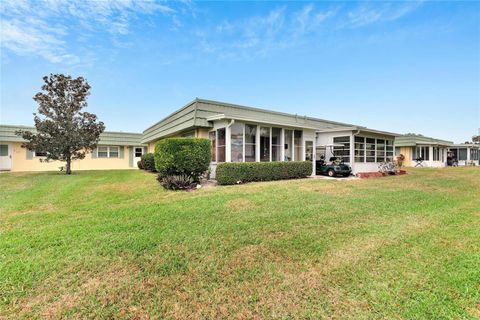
[359, 149]
[421, 152]
[138, 152]
[212, 135]
[236, 142]
[462, 154]
[264, 144]
[276, 144]
[102, 152]
[113, 152]
[436, 154]
[342, 152]
[380, 150]
[389, 152]
[3, 150]
[221, 145]
[288, 145]
[308, 150]
[250, 137]
[40, 154]
[297, 143]
[369, 149]
[107, 152]
[474, 153]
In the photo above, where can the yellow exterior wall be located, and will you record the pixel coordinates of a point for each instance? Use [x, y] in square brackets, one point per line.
[202, 133]
[407, 152]
[21, 163]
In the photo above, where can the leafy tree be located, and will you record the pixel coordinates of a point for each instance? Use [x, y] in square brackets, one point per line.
[63, 131]
[476, 139]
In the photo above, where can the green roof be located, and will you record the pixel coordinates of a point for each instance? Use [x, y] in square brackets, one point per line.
[199, 113]
[7, 134]
[411, 140]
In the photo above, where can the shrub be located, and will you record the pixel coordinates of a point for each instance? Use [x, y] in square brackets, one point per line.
[241, 172]
[148, 160]
[140, 164]
[180, 162]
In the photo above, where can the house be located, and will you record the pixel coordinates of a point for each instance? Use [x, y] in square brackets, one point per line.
[238, 134]
[466, 153]
[116, 150]
[422, 151]
[246, 134]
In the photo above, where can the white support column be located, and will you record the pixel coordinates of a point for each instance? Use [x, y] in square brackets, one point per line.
[303, 145]
[314, 155]
[257, 144]
[430, 156]
[282, 142]
[228, 143]
[271, 148]
[293, 145]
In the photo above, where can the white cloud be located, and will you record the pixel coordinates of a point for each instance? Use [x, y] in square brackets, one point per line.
[45, 28]
[376, 12]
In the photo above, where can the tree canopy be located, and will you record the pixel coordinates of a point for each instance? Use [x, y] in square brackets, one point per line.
[63, 131]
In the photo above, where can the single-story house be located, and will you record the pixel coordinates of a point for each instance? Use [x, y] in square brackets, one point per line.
[246, 134]
[116, 150]
[466, 153]
[238, 134]
[422, 151]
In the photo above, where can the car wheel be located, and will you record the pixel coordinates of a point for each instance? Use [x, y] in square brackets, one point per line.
[331, 173]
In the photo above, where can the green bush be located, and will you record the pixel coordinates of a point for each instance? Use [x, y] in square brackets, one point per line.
[182, 160]
[148, 160]
[140, 164]
[241, 172]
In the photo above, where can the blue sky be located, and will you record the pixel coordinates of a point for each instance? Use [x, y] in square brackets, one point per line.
[399, 66]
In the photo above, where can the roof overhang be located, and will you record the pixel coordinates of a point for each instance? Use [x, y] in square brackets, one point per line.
[361, 129]
[222, 116]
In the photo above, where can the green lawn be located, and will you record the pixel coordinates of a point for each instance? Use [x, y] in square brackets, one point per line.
[113, 244]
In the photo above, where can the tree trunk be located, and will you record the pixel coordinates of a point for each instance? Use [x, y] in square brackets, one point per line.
[68, 169]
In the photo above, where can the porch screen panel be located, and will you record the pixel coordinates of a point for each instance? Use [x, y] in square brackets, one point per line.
[380, 150]
[359, 149]
[369, 149]
[389, 151]
[473, 154]
[462, 154]
[288, 145]
[213, 139]
[250, 137]
[221, 145]
[342, 152]
[298, 145]
[236, 135]
[264, 144]
[276, 144]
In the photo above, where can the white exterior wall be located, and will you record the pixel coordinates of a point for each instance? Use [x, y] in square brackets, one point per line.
[324, 138]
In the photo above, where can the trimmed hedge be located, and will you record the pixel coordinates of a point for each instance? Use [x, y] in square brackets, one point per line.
[182, 160]
[241, 172]
[148, 160]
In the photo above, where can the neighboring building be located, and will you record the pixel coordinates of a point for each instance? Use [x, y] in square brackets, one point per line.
[116, 150]
[431, 151]
[466, 154]
[245, 134]
[237, 133]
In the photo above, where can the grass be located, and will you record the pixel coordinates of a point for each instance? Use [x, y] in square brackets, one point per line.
[113, 244]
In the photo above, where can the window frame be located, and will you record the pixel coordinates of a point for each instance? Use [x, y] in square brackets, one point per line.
[109, 152]
[365, 155]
